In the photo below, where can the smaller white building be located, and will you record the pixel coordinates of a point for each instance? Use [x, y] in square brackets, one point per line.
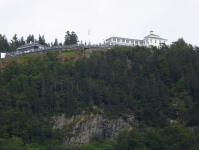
[3, 54]
[149, 40]
[154, 40]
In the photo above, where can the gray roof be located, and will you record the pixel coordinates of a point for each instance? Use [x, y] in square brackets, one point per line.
[29, 45]
[156, 38]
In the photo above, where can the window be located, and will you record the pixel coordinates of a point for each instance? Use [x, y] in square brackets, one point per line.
[136, 42]
[141, 43]
[155, 41]
[127, 41]
[118, 40]
[114, 39]
[123, 40]
[132, 41]
[151, 41]
[160, 41]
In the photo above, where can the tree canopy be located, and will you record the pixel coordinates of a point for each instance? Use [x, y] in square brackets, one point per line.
[71, 38]
[157, 85]
[15, 42]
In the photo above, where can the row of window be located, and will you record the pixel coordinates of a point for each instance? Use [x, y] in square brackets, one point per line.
[155, 41]
[127, 41]
[136, 42]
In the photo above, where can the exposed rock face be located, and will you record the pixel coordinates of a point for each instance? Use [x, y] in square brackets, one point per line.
[80, 128]
[172, 122]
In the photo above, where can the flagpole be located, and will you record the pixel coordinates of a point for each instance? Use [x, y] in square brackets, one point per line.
[89, 36]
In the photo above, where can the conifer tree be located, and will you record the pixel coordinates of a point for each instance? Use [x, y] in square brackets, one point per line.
[4, 45]
[30, 38]
[55, 42]
[71, 38]
[22, 42]
[164, 70]
[67, 38]
[42, 40]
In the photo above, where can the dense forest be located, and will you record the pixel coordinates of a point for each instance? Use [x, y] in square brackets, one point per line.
[15, 42]
[155, 84]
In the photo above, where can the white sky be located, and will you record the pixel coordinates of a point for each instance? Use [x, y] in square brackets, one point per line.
[171, 19]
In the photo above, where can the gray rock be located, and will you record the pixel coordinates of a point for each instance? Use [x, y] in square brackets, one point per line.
[82, 127]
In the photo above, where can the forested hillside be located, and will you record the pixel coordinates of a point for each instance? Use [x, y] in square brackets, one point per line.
[156, 85]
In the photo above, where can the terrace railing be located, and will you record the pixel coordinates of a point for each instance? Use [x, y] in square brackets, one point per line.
[16, 53]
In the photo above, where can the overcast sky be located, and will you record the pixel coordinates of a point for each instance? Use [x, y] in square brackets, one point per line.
[171, 19]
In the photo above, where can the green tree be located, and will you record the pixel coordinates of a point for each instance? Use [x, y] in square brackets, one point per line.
[3, 132]
[122, 141]
[73, 38]
[15, 42]
[70, 38]
[4, 45]
[67, 38]
[22, 42]
[13, 143]
[153, 140]
[30, 38]
[42, 40]
[172, 147]
[56, 42]
[89, 147]
[164, 70]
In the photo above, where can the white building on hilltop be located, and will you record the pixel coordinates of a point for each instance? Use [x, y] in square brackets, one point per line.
[149, 40]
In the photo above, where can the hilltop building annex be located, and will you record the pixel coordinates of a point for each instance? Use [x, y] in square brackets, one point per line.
[149, 40]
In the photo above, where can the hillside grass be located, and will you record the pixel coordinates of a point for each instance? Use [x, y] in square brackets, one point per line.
[69, 53]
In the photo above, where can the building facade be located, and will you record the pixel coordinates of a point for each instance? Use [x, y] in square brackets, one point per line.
[149, 40]
[3, 54]
[30, 47]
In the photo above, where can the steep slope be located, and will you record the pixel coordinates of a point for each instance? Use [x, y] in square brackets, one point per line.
[79, 129]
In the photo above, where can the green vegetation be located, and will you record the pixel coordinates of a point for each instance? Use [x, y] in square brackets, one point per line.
[71, 38]
[15, 42]
[141, 138]
[157, 85]
[69, 53]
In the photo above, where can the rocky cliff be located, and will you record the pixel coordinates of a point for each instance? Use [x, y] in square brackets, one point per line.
[79, 129]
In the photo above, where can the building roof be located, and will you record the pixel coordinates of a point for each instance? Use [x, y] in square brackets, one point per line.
[154, 36]
[29, 45]
[151, 35]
